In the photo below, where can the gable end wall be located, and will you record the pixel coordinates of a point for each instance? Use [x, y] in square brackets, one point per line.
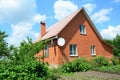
[71, 34]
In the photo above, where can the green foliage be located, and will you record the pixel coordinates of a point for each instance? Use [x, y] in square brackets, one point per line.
[110, 42]
[115, 60]
[26, 51]
[22, 65]
[79, 64]
[109, 69]
[116, 44]
[31, 70]
[3, 45]
[99, 61]
[67, 67]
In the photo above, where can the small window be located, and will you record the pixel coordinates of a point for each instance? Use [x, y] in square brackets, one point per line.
[73, 50]
[93, 50]
[46, 51]
[82, 29]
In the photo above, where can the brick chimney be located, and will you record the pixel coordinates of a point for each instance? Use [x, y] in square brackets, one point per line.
[43, 28]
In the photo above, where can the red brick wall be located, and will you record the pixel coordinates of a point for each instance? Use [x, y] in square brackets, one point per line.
[71, 34]
[53, 57]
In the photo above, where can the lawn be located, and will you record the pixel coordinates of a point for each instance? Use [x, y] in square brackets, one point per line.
[98, 69]
[109, 69]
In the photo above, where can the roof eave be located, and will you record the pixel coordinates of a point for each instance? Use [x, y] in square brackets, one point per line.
[70, 20]
[92, 24]
[95, 29]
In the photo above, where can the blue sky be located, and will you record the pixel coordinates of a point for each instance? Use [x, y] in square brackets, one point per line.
[21, 18]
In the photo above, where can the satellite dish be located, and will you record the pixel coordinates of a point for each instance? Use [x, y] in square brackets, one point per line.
[61, 41]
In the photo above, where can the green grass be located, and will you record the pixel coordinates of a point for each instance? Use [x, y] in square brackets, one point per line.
[109, 69]
[80, 69]
[98, 74]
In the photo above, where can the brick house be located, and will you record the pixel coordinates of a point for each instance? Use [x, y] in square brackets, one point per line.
[74, 36]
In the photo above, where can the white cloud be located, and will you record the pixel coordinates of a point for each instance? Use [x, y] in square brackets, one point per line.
[63, 8]
[110, 32]
[117, 1]
[37, 18]
[20, 32]
[102, 15]
[13, 11]
[8, 3]
[89, 7]
[22, 16]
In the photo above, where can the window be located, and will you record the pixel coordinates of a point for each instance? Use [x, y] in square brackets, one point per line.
[73, 50]
[46, 51]
[82, 29]
[93, 50]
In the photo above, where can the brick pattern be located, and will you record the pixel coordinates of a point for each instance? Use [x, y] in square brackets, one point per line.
[71, 34]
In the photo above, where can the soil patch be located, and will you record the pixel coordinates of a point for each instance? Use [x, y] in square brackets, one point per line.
[90, 75]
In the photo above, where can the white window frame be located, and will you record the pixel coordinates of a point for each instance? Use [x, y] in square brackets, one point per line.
[82, 29]
[74, 52]
[93, 51]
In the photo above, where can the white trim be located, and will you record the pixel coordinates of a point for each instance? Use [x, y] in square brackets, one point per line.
[83, 31]
[93, 54]
[76, 50]
[74, 55]
[93, 50]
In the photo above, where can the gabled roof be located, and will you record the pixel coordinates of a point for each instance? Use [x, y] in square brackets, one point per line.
[56, 28]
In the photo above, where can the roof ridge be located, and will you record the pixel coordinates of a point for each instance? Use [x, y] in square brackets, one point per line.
[60, 26]
[63, 18]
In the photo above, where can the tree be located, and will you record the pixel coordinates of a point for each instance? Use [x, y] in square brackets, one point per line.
[3, 44]
[116, 44]
[22, 65]
[26, 51]
[109, 41]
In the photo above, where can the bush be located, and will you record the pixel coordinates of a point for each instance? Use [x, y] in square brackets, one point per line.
[109, 69]
[99, 61]
[115, 61]
[76, 66]
[84, 67]
[80, 64]
[32, 70]
[21, 64]
[67, 67]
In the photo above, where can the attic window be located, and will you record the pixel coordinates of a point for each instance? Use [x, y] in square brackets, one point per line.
[82, 29]
[93, 50]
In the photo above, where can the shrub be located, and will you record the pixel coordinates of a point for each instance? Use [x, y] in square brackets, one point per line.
[76, 64]
[99, 61]
[114, 60]
[79, 64]
[32, 70]
[85, 66]
[109, 69]
[67, 67]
